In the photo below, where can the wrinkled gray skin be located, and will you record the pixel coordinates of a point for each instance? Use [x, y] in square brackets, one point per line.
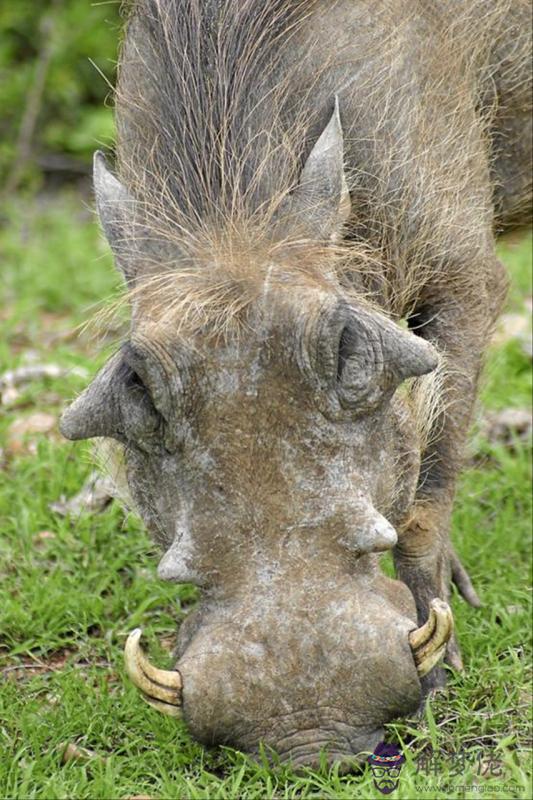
[271, 486]
[273, 470]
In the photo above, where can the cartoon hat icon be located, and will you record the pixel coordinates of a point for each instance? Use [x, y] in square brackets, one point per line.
[386, 755]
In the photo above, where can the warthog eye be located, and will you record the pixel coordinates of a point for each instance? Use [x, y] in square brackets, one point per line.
[139, 421]
[358, 368]
[134, 381]
[142, 421]
[367, 356]
[343, 352]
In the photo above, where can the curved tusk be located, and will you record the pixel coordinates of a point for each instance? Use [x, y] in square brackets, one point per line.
[160, 687]
[428, 642]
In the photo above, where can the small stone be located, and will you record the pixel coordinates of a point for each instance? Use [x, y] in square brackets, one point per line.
[502, 427]
[23, 428]
[510, 326]
[72, 752]
[43, 536]
[94, 497]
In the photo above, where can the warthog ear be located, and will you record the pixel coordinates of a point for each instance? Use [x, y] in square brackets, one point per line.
[117, 212]
[137, 247]
[322, 199]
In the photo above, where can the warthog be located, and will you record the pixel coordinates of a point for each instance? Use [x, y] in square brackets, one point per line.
[304, 208]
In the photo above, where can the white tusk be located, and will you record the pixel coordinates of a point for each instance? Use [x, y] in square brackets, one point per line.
[160, 687]
[428, 642]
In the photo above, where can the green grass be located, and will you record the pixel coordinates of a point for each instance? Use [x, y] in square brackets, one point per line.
[68, 601]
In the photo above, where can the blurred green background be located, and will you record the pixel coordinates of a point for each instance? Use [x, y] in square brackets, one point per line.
[56, 59]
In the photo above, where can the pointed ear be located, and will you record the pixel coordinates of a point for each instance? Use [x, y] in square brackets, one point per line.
[322, 199]
[117, 210]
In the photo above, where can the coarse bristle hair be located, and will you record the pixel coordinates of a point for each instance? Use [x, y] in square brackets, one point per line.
[209, 126]
[214, 128]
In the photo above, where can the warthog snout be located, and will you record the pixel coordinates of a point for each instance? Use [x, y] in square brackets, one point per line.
[303, 678]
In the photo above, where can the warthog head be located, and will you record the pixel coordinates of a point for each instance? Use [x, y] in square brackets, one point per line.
[272, 464]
